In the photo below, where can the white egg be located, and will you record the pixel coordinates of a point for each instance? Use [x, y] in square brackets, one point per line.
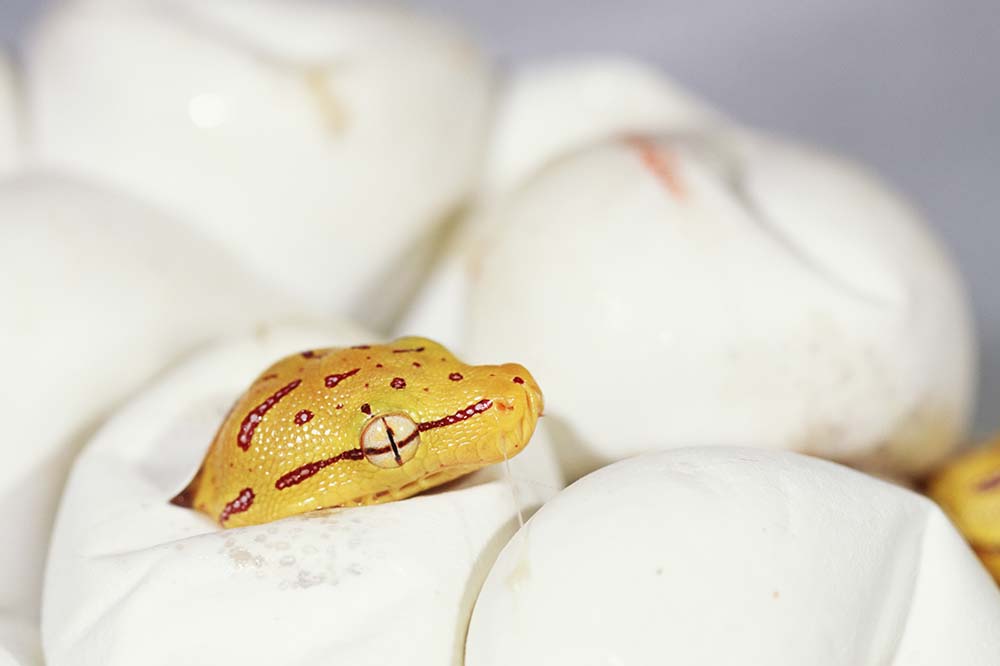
[551, 108]
[735, 556]
[9, 121]
[135, 580]
[544, 111]
[104, 293]
[720, 286]
[20, 644]
[438, 309]
[321, 142]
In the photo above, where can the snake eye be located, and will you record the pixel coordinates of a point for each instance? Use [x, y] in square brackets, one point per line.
[390, 440]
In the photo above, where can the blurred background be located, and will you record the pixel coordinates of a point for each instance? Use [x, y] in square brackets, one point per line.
[908, 86]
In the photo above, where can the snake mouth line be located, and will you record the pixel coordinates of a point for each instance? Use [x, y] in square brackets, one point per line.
[411, 488]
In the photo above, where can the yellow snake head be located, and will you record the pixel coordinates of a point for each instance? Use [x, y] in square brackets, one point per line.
[968, 489]
[368, 424]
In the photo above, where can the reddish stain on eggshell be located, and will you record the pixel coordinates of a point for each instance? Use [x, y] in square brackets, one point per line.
[660, 163]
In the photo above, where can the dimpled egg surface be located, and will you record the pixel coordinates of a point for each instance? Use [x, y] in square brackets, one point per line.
[361, 425]
[734, 556]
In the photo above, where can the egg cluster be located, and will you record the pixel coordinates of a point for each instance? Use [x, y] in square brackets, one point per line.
[219, 221]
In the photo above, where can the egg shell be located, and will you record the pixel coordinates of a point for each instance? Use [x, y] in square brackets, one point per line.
[719, 555]
[320, 142]
[19, 641]
[727, 287]
[438, 308]
[107, 293]
[544, 111]
[9, 123]
[133, 579]
[549, 109]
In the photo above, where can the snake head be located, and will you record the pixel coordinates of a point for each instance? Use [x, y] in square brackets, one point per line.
[453, 423]
[368, 424]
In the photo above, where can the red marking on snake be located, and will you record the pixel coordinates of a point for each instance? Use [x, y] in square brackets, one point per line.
[460, 415]
[660, 163]
[518, 380]
[988, 484]
[398, 383]
[242, 502]
[333, 380]
[381, 450]
[986, 550]
[300, 474]
[455, 377]
[253, 419]
[303, 417]
[366, 409]
[406, 442]
[404, 351]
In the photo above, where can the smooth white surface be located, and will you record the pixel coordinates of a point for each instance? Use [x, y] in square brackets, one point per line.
[320, 142]
[438, 309]
[544, 112]
[549, 109]
[134, 580]
[761, 294]
[9, 125]
[106, 292]
[19, 642]
[730, 556]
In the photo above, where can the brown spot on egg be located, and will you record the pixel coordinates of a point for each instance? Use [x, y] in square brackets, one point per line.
[660, 163]
[398, 383]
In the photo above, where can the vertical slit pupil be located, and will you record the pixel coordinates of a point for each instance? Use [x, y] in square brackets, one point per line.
[392, 442]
